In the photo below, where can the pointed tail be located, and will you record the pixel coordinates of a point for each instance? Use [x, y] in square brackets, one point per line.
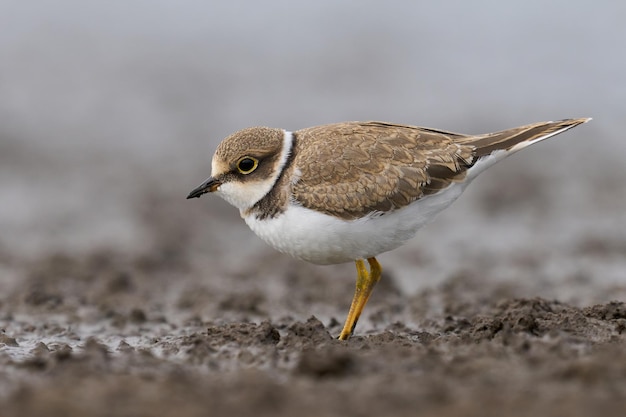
[493, 147]
[517, 138]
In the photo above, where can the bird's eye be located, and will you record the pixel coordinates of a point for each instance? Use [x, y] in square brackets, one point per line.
[247, 164]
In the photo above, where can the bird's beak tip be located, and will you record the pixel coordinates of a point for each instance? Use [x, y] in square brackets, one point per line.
[208, 186]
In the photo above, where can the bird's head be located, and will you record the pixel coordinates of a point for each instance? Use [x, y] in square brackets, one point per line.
[246, 166]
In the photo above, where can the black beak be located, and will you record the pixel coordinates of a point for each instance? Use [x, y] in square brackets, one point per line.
[208, 186]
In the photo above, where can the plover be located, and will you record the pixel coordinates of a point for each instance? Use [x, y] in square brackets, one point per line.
[347, 192]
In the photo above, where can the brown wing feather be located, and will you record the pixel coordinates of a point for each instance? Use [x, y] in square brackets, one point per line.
[507, 139]
[385, 166]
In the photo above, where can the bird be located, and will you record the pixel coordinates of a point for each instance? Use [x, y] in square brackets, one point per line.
[347, 192]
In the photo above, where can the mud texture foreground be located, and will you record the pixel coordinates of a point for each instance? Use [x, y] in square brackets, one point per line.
[95, 336]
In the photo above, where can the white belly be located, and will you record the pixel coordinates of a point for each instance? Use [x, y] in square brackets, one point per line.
[322, 239]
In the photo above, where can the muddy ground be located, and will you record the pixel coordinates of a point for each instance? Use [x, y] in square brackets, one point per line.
[96, 340]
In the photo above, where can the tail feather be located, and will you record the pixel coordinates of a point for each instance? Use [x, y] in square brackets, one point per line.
[513, 140]
[493, 147]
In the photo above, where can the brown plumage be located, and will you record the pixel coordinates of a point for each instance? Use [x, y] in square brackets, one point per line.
[352, 169]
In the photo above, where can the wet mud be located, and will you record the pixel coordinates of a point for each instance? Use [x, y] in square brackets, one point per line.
[107, 335]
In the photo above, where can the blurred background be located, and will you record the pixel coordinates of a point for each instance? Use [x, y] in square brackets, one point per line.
[110, 112]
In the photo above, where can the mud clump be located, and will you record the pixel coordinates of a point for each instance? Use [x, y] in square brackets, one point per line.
[325, 362]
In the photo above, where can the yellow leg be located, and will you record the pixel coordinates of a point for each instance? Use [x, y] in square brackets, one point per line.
[365, 283]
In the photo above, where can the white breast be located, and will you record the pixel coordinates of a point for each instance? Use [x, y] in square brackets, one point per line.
[322, 239]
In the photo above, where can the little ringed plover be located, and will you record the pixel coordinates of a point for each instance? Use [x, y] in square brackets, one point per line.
[350, 191]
